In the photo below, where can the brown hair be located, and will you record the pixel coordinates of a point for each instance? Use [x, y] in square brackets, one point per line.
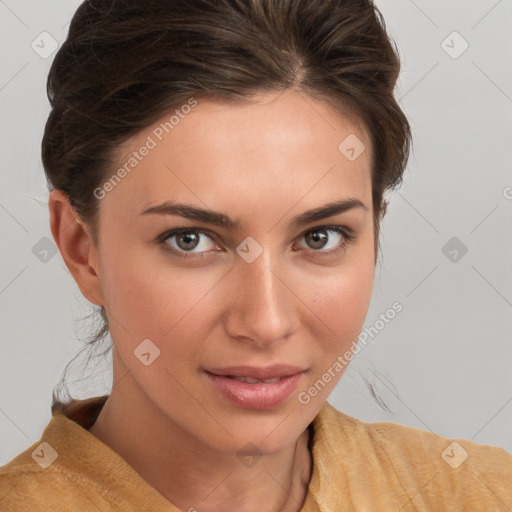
[127, 62]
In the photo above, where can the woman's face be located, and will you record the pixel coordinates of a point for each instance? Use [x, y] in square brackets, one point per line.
[269, 285]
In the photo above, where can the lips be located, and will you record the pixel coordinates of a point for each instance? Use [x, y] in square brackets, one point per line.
[255, 388]
[251, 380]
[257, 374]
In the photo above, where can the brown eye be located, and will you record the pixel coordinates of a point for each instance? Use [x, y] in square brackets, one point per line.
[184, 241]
[328, 239]
[187, 241]
[317, 239]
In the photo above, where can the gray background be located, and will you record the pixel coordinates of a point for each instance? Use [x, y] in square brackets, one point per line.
[442, 364]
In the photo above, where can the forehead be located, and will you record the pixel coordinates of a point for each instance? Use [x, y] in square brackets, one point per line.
[279, 148]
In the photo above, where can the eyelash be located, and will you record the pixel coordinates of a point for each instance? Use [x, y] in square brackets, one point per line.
[348, 238]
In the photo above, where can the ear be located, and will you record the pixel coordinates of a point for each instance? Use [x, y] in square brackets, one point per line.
[76, 246]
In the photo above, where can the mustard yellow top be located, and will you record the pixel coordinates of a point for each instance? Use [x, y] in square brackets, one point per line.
[357, 466]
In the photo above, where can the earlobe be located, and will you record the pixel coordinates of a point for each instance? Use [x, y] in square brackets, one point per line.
[76, 246]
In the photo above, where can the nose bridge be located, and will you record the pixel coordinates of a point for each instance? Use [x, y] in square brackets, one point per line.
[262, 306]
[262, 278]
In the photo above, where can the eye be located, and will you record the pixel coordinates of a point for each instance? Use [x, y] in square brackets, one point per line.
[328, 239]
[187, 240]
[196, 242]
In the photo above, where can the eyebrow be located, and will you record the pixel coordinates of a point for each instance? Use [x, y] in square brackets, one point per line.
[222, 220]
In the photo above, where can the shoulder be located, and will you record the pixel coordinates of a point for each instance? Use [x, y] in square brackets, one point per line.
[403, 437]
[409, 458]
[31, 481]
[414, 442]
[69, 468]
[56, 472]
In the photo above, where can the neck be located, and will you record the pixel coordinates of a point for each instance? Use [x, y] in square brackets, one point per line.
[192, 474]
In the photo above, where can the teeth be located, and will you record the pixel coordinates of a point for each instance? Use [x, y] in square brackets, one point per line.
[250, 380]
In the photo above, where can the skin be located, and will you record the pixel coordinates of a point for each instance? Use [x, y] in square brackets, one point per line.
[261, 164]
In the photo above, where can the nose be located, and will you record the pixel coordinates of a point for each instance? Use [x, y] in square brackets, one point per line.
[262, 308]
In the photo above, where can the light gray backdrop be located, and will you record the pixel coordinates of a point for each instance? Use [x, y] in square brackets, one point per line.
[443, 363]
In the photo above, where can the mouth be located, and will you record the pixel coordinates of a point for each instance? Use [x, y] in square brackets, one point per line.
[257, 375]
[255, 388]
[251, 380]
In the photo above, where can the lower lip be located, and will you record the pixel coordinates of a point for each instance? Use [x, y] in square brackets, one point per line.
[255, 396]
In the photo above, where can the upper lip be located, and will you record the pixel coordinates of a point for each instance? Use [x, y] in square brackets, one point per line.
[263, 373]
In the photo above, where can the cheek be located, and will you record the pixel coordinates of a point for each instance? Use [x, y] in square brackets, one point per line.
[342, 307]
[147, 297]
[342, 301]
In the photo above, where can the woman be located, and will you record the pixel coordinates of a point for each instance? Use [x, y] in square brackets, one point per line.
[217, 174]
